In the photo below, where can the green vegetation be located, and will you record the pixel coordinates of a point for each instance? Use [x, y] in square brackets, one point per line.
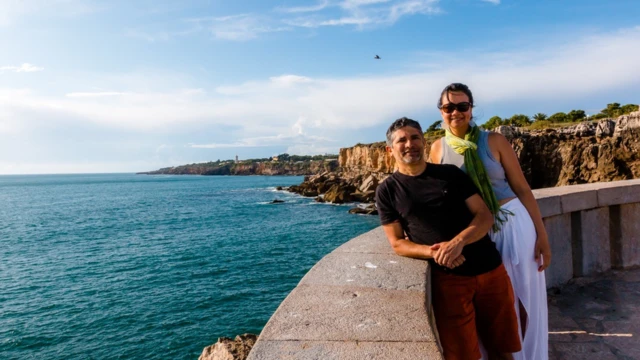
[541, 120]
[435, 130]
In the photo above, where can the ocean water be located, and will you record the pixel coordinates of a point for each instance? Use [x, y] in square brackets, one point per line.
[124, 266]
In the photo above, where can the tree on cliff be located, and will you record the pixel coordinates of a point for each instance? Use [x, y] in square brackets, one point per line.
[518, 120]
[435, 126]
[629, 108]
[492, 123]
[558, 117]
[612, 110]
[539, 117]
[576, 115]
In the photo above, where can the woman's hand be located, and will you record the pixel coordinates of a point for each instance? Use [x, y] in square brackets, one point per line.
[543, 250]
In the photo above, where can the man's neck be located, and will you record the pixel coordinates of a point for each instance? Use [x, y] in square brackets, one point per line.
[412, 169]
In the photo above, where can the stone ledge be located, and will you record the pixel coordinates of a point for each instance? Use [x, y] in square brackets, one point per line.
[372, 242]
[344, 350]
[571, 198]
[382, 271]
[350, 313]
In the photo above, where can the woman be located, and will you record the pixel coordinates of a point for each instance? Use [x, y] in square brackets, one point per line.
[519, 232]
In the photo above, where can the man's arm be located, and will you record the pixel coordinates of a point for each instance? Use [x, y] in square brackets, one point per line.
[477, 229]
[403, 246]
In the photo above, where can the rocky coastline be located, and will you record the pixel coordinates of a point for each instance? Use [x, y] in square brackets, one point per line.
[250, 167]
[606, 150]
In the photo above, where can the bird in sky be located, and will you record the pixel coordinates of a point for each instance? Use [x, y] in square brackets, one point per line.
[377, 57]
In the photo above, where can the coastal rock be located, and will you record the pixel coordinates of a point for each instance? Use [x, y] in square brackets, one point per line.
[605, 128]
[365, 197]
[230, 349]
[550, 157]
[339, 194]
[277, 201]
[369, 209]
[584, 129]
[369, 184]
[507, 131]
[627, 122]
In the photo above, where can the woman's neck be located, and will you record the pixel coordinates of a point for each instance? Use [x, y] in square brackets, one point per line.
[459, 132]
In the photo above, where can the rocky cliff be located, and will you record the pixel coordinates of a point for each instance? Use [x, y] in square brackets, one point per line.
[588, 152]
[252, 168]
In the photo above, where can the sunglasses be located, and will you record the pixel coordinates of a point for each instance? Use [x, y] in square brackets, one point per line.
[461, 107]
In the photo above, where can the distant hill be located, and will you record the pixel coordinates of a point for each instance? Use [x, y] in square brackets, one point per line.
[283, 164]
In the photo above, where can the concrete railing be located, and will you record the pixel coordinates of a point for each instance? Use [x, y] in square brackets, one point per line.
[364, 302]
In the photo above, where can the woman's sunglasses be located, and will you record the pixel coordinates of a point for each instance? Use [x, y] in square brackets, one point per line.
[461, 107]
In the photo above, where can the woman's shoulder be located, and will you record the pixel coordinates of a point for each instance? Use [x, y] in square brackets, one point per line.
[494, 139]
[435, 151]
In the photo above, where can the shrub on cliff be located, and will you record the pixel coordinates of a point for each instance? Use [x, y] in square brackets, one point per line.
[539, 125]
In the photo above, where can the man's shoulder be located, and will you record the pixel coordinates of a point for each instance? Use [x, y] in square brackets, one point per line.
[389, 182]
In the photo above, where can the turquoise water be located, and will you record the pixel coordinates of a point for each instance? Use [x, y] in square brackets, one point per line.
[124, 266]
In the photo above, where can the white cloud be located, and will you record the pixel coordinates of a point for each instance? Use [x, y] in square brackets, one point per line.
[495, 2]
[25, 67]
[303, 9]
[290, 80]
[368, 13]
[12, 11]
[263, 141]
[94, 94]
[292, 107]
[241, 27]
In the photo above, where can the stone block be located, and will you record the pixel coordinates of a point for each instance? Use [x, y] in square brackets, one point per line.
[619, 192]
[629, 246]
[579, 200]
[341, 313]
[590, 242]
[559, 230]
[372, 242]
[383, 271]
[344, 350]
[549, 204]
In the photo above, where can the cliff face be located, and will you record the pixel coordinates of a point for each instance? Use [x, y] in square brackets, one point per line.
[253, 168]
[588, 152]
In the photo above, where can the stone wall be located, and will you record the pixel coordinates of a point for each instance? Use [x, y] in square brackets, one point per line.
[362, 301]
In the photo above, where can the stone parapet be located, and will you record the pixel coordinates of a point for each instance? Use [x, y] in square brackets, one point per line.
[362, 301]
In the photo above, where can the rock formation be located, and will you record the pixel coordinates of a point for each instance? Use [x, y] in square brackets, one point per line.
[230, 349]
[587, 152]
[251, 168]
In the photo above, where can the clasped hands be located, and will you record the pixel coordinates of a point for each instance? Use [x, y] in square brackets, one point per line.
[448, 253]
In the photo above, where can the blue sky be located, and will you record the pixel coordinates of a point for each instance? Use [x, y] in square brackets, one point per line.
[124, 86]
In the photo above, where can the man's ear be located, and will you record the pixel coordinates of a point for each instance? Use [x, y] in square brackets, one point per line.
[389, 150]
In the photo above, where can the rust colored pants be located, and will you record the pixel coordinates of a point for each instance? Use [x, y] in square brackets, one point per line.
[465, 306]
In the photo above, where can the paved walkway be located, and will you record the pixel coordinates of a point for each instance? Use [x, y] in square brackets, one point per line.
[596, 318]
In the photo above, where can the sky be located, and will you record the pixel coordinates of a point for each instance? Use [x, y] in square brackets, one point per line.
[91, 86]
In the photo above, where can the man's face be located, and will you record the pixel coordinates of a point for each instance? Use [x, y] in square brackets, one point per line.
[408, 146]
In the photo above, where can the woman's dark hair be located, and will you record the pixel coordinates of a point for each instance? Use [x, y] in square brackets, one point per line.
[455, 87]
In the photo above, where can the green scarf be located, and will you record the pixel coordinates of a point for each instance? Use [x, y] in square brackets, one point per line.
[475, 169]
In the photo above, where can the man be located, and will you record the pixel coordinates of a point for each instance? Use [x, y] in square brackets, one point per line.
[446, 221]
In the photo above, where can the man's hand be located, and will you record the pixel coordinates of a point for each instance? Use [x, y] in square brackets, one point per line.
[448, 253]
[542, 248]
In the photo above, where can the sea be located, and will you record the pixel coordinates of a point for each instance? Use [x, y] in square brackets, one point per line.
[125, 266]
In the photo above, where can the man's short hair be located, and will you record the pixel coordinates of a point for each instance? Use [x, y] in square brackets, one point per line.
[400, 123]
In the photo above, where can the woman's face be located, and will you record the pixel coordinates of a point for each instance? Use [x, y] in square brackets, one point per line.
[456, 119]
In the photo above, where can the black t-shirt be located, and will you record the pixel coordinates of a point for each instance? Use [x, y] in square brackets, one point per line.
[431, 208]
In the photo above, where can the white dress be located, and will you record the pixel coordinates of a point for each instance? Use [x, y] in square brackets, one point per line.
[516, 242]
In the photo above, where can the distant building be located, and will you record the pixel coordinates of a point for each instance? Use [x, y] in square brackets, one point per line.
[236, 159]
[275, 158]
